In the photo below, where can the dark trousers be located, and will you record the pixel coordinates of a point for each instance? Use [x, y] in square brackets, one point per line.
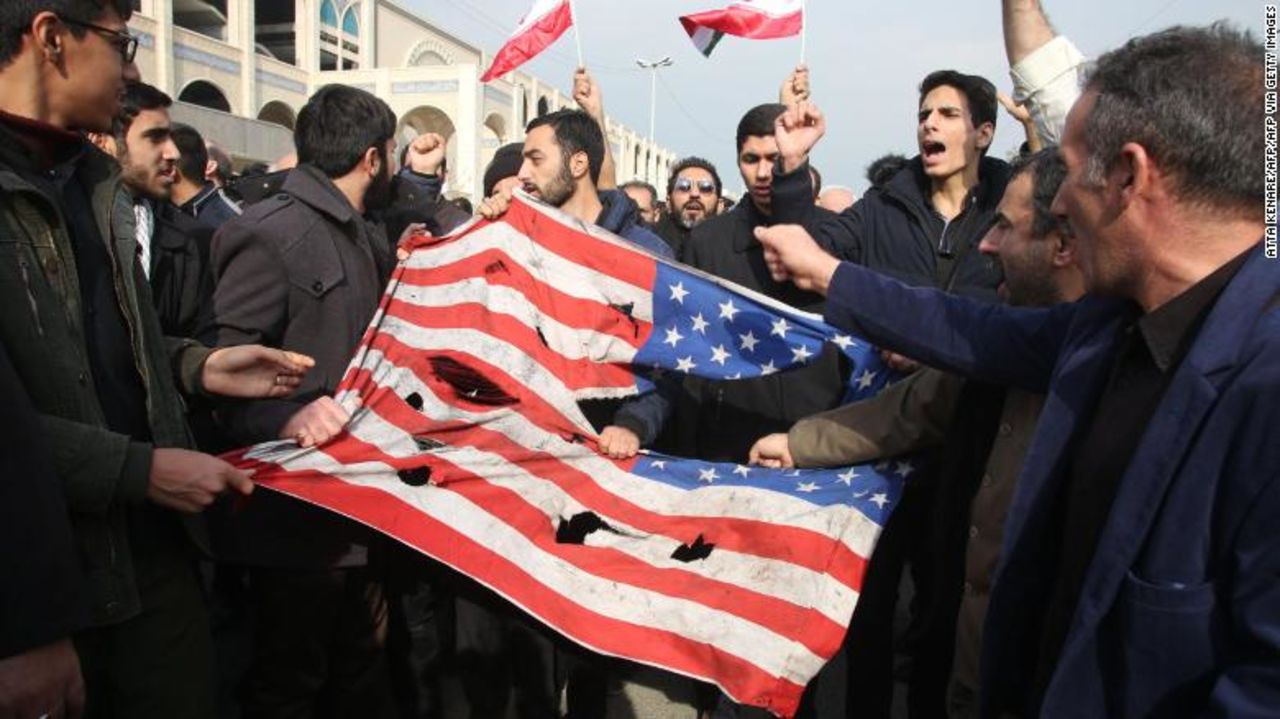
[420, 636]
[318, 645]
[159, 663]
[502, 657]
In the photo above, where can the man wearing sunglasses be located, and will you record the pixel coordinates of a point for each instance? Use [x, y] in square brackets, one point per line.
[693, 194]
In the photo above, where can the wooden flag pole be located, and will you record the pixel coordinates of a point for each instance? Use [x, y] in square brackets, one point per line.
[577, 37]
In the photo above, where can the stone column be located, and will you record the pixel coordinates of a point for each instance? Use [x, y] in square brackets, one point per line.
[241, 33]
[466, 177]
[162, 11]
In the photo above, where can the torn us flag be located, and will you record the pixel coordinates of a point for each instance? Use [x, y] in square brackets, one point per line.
[468, 444]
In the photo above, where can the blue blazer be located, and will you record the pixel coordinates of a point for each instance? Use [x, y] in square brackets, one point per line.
[1179, 614]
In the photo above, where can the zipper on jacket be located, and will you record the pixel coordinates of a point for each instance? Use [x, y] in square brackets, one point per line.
[31, 295]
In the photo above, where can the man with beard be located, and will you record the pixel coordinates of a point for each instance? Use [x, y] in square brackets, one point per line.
[1141, 551]
[169, 242]
[193, 193]
[983, 431]
[693, 194]
[306, 268]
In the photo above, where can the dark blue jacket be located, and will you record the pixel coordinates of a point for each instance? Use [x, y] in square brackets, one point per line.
[895, 230]
[1179, 612]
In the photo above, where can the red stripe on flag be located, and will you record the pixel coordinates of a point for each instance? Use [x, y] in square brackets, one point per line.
[526, 45]
[495, 267]
[745, 22]
[628, 263]
[742, 680]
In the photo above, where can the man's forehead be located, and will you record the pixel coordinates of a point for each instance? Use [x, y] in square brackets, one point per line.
[695, 173]
[1017, 196]
[943, 97]
[539, 138]
[760, 144]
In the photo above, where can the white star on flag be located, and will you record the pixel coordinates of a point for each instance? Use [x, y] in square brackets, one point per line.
[727, 310]
[844, 342]
[801, 354]
[658, 464]
[678, 292]
[768, 368]
[780, 328]
[673, 336]
[708, 475]
[685, 364]
[749, 341]
[904, 469]
[848, 476]
[719, 354]
[700, 324]
[866, 379]
[742, 469]
[880, 500]
[807, 487]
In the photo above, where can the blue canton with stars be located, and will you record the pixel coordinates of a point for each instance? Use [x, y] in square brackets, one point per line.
[873, 490]
[703, 329]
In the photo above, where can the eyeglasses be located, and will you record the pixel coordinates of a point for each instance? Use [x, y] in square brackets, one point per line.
[684, 184]
[127, 44]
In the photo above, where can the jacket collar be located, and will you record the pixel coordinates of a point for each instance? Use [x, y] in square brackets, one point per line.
[618, 212]
[746, 213]
[309, 185]
[911, 186]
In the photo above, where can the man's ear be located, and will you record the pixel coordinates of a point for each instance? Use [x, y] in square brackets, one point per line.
[46, 34]
[579, 165]
[105, 142]
[372, 162]
[986, 134]
[210, 170]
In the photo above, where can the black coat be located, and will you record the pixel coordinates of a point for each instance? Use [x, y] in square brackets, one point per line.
[672, 232]
[42, 597]
[302, 271]
[721, 420]
[417, 198]
[895, 230]
[181, 284]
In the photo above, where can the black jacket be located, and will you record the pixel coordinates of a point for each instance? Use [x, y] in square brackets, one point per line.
[721, 420]
[42, 597]
[416, 198]
[895, 230]
[300, 270]
[672, 232]
[181, 284]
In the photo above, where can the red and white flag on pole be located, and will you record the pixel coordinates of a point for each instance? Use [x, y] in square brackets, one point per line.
[756, 19]
[545, 22]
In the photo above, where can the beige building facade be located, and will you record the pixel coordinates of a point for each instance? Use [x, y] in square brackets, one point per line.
[241, 69]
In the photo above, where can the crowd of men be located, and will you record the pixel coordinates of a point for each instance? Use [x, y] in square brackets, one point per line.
[1089, 339]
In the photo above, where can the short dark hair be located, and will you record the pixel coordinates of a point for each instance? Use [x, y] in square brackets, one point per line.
[194, 156]
[1047, 171]
[978, 91]
[575, 132]
[338, 125]
[138, 96]
[16, 17]
[687, 163]
[817, 179]
[642, 185]
[1192, 98]
[883, 168]
[758, 122]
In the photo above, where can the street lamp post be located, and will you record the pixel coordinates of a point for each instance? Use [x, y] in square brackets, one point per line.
[652, 66]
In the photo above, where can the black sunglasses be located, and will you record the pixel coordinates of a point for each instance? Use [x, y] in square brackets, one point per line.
[684, 184]
[127, 44]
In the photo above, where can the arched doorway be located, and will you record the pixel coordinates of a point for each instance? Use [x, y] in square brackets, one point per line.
[426, 118]
[205, 94]
[279, 113]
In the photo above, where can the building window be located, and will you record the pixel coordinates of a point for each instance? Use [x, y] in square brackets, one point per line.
[351, 23]
[328, 14]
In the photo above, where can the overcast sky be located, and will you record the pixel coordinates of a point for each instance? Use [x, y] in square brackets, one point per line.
[867, 58]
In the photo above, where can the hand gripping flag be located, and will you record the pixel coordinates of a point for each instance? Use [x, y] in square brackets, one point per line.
[468, 444]
[545, 22]
[756, 19]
